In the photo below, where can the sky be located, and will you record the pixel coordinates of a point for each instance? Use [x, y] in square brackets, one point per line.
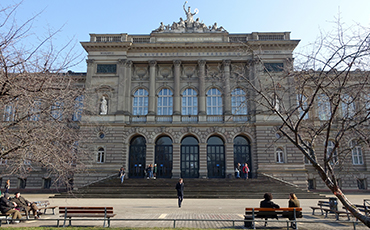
[76, 19]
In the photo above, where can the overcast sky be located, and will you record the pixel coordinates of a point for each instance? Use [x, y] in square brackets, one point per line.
[79, 18]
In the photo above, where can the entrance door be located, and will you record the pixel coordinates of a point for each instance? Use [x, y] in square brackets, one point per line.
[137, 157]
[189, 158]
[242, 152]
[215, 158]
[163, 157]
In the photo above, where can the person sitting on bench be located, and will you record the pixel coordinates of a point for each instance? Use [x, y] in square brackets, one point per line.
[27, 205]
[8, 207]
[267, 202]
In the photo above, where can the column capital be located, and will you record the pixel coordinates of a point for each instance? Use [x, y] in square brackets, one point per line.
[202, 62]
[128, 63]
[90, 61]
[122, 61]
[177, 62]
[152, 63]
[226, 62]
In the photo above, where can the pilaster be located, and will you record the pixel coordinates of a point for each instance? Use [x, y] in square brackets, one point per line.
[176, 167]
[203, 173]
[202, 93]
[227, 97]
[151, 106]
[127, 103]
[177, 98]
[121, 105]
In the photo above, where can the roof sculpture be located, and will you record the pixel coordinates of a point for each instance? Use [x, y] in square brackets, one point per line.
[188, 25]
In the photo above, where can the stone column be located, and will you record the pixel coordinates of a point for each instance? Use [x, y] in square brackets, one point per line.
[203, 172]
[150, 154]
[176, 96]
[90, 72]
[202, 93]
[128, 86]
[229, 160]
[121, 105]
[176, 167]
[227, 97]
[151, 108]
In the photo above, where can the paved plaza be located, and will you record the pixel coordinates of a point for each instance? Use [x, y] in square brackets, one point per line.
[162, 210]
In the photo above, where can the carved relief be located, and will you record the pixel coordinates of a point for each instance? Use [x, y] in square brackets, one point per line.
[165, 72]
[189, 71]
[141, 72]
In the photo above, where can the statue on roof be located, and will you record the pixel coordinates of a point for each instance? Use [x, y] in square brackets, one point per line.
[189, 15]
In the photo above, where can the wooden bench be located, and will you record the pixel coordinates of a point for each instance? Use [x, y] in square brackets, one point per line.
[362, 208]
[45, 205]
[5, 217]
[275, 213]
[85, 212]
[324, 206]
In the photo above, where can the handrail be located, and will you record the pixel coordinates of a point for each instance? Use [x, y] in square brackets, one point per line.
[278, 179]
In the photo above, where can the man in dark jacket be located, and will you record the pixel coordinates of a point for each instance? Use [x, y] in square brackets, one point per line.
[180, 191]
[267, 202]
[8, 207]
[26, 205]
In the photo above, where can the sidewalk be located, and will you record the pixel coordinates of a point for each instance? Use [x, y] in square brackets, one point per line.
[221, 209]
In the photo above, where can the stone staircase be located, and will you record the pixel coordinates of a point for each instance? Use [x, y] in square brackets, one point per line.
[194, 188]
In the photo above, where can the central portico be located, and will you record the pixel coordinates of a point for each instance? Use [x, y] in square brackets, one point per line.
[176, 98]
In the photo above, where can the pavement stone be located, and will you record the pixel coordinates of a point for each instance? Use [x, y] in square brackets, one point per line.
[160, 210]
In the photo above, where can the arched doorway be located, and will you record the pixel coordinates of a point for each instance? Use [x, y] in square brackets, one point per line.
[189, 158]
[242, 152]
[215, 157]
[163, 157]
[137, 157]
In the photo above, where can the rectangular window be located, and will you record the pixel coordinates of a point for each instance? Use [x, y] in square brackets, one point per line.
[22, 183]
[274, 67]
[311, 184]
[47, 183]
[361, 184]
[106, 68]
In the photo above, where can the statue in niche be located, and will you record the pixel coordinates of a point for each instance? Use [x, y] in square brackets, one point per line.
[189, 15]
[103, 106]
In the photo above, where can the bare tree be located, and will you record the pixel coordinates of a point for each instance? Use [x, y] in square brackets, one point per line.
[40, 104]
[324, 99]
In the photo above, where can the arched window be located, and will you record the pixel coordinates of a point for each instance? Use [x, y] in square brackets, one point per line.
[137, 157]
[330, 149]
[101, 155]
[214, 102]
[280, 155]
[77, 114]
[189, 157]
[348, 106]
[239, 102]
[140, 102]
[163, 157]
[164, 102]
[356, 150]
[302, 105]
[324, 108]
[9, 112]
[189, 102]
[215, 157]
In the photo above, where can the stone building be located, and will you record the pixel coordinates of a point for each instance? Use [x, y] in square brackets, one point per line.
[178, 98]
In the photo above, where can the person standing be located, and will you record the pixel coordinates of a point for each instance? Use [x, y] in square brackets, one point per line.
[149, 172]
[122, 174]
[155, 170]
[7, 207]
[245, 171]
[7, 186]
[237, 171]
[26, 205]
[180, 191]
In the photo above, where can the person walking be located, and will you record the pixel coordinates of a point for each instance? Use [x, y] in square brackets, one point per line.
[122, 174]
[180, 191]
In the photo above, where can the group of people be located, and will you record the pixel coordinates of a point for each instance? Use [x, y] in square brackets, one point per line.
[15, 205]
[241, 171]
[292, 203]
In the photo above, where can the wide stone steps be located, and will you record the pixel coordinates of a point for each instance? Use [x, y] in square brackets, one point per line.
[194, 188]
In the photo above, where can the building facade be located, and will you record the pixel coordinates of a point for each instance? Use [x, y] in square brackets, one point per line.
[178, 98]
